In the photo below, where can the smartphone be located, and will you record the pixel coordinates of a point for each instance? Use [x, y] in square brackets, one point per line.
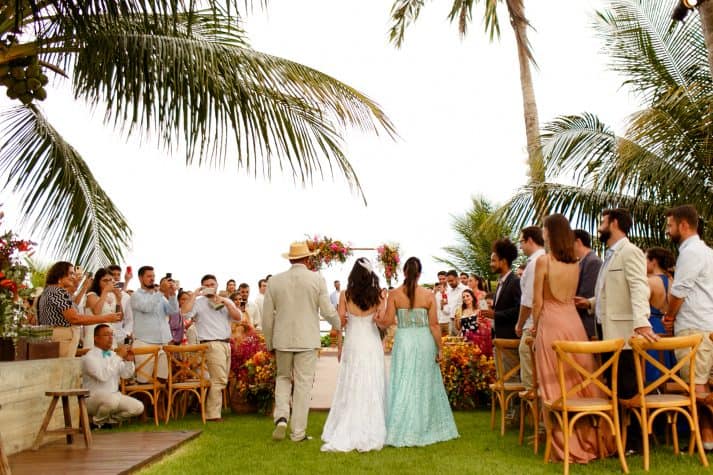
[119, 285]
[128, 270]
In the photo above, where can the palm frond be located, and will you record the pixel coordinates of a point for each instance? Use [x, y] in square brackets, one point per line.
[59, 197]
[403, 13]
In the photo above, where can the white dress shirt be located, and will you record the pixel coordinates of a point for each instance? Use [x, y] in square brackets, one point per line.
[254, 313]
[455, 300]
[334, 297]
[693, 283]
[527, 284]
[100, 373]
[211, 324]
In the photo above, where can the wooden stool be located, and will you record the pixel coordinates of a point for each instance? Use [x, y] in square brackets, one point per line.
[4, 464]
[68, 430]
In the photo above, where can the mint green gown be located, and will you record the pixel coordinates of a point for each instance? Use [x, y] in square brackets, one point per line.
[418, 412]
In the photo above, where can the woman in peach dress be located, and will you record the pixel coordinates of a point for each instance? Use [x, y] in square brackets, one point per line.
[556, 318]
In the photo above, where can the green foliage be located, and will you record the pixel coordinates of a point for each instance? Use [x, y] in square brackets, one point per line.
[476, 230]
[663, 158]
[182, 72]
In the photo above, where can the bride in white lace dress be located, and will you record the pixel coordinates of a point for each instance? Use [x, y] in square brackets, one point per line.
[357, 419]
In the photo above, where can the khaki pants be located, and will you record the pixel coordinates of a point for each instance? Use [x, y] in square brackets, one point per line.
[161, 371]
[113, 407]
[525, 361]
[68, 338]
[298, 366]
[218, 361]
[704, 356]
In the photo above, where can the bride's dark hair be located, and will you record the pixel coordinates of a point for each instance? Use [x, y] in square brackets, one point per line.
[412, 269]
[363, 286]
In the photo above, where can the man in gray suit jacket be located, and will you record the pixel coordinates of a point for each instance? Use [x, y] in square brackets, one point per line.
[589, 264]
[290, 320]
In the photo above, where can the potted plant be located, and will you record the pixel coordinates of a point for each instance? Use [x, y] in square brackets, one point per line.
[13, 289]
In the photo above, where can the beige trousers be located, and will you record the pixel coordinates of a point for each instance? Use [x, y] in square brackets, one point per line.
[68, 338]
[300, 367]
[218, 362]
[113, 407]
[525, 361]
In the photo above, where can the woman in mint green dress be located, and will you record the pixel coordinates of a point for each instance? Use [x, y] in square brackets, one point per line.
[417, 411]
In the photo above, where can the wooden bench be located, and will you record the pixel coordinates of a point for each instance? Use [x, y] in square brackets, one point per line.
[68, 430]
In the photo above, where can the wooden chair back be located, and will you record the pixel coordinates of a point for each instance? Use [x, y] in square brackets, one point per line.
[500, 345]
[147, 369]
[566, 350]
[641, 347]
[187, 364]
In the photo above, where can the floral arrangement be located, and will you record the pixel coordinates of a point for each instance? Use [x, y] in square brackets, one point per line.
[330, 250]
[252, 374]
[467, 373]
[13, 276]
[388, 257]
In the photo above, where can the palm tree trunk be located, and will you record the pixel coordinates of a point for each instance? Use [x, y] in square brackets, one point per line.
[705, 10]
[535, 161]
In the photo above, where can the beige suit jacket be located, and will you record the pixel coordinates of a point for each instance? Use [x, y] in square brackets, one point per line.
[293, 303]
[625, 293]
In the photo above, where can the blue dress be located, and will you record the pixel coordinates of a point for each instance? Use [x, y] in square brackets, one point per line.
[668, 358]
[417, 411]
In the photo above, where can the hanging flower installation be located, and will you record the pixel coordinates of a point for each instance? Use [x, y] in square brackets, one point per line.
[389, 259]
[330, 251]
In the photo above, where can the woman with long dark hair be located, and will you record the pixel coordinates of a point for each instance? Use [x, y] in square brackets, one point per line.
[356, 419]
[102, 299]
[659, 269]
[555, 318]
[418, 412]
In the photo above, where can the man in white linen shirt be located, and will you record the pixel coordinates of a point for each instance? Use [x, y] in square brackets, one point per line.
[532, 244]
[101, 370]
[249, 309]
[212, 315]
[334, 296]
[454, 291]
[444, 320]
[690, 307]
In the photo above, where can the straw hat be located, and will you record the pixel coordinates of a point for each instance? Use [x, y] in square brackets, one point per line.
[298, 250]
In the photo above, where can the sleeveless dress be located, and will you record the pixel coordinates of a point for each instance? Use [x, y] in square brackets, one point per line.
[418, 412]
[88, 330]
[655, 319]
[560, 320]
[356, 420]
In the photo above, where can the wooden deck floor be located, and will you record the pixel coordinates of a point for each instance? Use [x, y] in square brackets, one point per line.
[111, 453]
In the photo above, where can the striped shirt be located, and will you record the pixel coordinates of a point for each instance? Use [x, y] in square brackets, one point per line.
[53, 302]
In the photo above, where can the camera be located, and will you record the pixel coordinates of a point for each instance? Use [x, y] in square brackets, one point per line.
[208, 291]
[169, 275]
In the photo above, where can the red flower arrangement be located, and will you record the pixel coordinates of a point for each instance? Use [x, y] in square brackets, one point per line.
[467, 373]
[388, 256]
[13, 275]
[330, 250]
[252, 373]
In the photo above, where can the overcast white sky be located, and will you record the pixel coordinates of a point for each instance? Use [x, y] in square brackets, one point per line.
[456, 105]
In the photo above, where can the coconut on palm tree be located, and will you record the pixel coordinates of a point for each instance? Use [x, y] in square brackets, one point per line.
[184, 75]
[663, 158]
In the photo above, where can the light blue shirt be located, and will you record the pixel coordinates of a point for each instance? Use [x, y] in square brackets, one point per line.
[693, 283]
[151, 311]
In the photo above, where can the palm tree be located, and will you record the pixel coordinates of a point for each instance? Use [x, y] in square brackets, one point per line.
[163, 68]
[664, 156]
[405, 12]
[476, 231]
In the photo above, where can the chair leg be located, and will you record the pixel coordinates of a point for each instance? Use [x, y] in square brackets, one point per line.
[565, 435]
[169, 404]
[503, 408]
[619, 443]
[492, 410]
[84, 421]
[547, 420]
[644, 420]
[45, 422]
[699, 441]
[67, 418]
[155, 407]
[4, 463]
[521, 436]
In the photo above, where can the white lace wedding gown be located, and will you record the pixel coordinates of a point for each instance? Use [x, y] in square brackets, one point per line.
[357, 419]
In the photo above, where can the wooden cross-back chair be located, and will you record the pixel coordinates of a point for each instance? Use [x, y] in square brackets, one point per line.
[650, 402]
[570, 407]
[530, 400]
[187, 374]
[146, 370]
[503, 390]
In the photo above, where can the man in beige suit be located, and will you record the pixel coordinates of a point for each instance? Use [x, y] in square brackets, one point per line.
[290, 321]
[621, 300]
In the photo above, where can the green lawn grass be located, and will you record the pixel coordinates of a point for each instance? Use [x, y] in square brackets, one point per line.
[242, 444]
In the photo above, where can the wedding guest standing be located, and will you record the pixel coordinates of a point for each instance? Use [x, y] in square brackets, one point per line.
[294, 301]
[102, 299]
[125, 328]
[212, 314]
[532, 245]
[334, 296]
[418, 412]
[589, 264]
[621, 302]
[151, 310]
[659, 266]
[690, 308]
[101, 370]
[555, 318]
[454, 291]
[444, 319]
[56, 309]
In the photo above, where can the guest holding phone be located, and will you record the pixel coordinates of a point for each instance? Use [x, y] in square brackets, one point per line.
[103, 298]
